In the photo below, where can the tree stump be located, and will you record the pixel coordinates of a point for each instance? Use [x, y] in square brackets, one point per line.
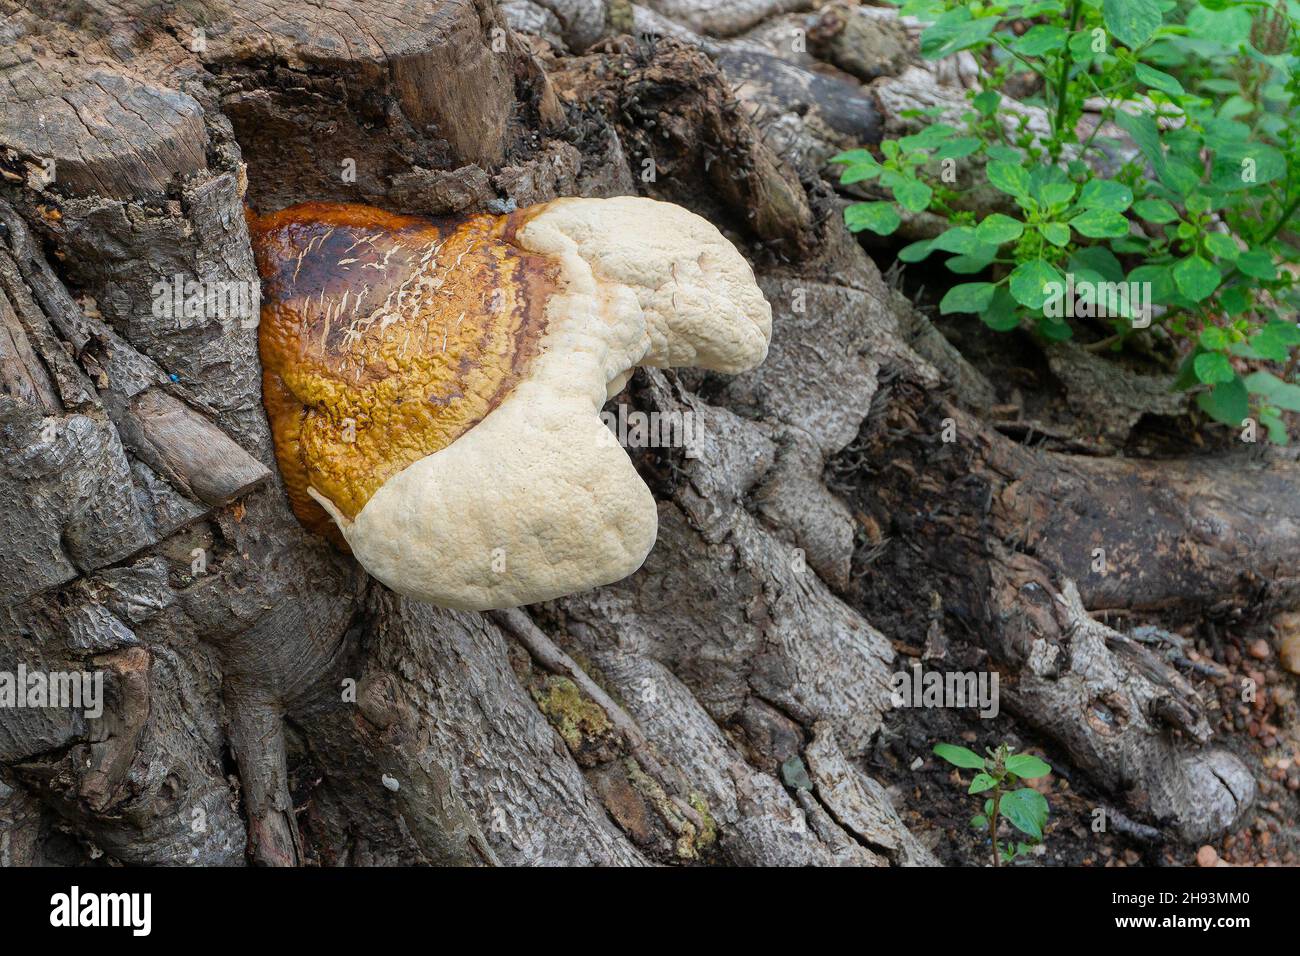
[266, 701]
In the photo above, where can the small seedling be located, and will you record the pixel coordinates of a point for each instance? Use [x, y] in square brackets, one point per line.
[1025, 808]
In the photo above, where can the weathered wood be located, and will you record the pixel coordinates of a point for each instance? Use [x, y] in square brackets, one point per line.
[722, 17]
[308, 87]
[859, 43]
[63, 481]
[21, 375]
[679, 124]
[188, 449]
[64, 122]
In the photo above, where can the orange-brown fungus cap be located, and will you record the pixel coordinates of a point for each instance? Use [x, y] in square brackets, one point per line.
[384, 338]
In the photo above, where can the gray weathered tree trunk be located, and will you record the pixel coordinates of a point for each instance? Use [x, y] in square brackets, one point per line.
[267, 701]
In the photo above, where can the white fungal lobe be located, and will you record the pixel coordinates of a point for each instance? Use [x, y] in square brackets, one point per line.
[534, 501]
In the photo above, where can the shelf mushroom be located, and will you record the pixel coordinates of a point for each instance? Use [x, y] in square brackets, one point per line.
[434, 386]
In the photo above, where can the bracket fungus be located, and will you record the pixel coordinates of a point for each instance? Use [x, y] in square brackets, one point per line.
[434, 386]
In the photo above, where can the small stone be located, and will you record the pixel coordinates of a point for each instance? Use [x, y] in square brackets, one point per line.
[1260, 650]
[1207, 856]
[390, 783]
[1289, 653]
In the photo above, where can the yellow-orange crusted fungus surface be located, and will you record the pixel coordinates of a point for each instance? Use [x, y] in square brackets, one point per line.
[383, 339]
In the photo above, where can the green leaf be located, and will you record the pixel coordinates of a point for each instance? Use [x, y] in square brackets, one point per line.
[1028, 766]
[1130, 244]
[1056, 194]
[1080, 46]
[1155, 210]
[1144, 132]
[911, 193]
[1196, 277]
[1243, 165]
[1132, 22]
[1275, 340]
[957, 148]
[1180, 176]
[997, 229]
[1160, 278]
[1279, 393]
[986, 102]
[878, 217]
[916, 251]
[1257, 264]
[1100, 224]
[1222, 246]
[1227, 402]
[1097, 259]
[1105, 194]
[959, 239]
[959, 756]
[979, 821]
[1028, 282]
[1277, 431]
[967, 297]
[1220, 86]
[1027, 811]
[975, 262]
[1054, 330]
[857, 172]
[945, 39]
[1213, 368]
[1004, 154]
[1213, 339]
[1057, 233]
[1221, 132]
[1158, 80]
[1186, 376]
[1234, 299]
[1040, 39]
[1001, 315]
[853, 156]
[1012, 180]
[930, 137]
[981, 783]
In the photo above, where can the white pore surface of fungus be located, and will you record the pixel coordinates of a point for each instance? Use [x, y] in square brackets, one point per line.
[537, 500]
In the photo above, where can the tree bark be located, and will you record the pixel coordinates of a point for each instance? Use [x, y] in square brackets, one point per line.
[268, 702]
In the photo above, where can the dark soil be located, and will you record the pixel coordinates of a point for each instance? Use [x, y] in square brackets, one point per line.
[1217, 654]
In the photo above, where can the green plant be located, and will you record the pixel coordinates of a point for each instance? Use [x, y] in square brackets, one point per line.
[1194, 230]
[1024, 807]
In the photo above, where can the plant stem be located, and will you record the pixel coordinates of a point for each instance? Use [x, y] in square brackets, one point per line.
[1102, 344]
[1063, 81]
[993, 824]
[1287, 213]
[1282, 221]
